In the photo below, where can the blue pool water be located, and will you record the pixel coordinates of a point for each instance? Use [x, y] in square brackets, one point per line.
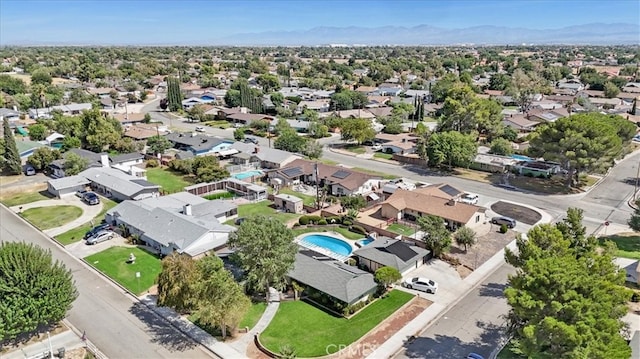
[521, 158]
[365, 241]
[243, 175]
[329, 243]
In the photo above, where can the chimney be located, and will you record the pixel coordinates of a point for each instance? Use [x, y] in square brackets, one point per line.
[187, 210]
[256, 149]
[452, 202]
[104, 159]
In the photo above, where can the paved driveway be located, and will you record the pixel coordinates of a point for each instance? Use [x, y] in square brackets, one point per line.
[81, 249]
[445, 275]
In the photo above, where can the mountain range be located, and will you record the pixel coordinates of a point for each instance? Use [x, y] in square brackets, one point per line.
[588, 34]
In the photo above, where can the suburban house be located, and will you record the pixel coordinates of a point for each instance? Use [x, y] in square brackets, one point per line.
[200, 145]
[345, 283]
[492, 163]
[319, 106]
[410, 205]
[10, 115]
[394, 253]
[110, 182]
[246, 119]
[288, 203]
[264, 157]
[520, 123]
[401, 143]
[179, 222]
[56, 168]
[241, 188]
[537, 168]
[339, 180]
[193, 101]
[69, 109]
[27, 147]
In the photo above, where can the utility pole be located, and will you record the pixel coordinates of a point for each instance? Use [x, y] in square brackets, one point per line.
[317, 186]
[635, 190]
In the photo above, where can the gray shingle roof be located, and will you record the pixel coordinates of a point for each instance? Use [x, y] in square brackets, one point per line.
[115, 179]
[337, 279]
[265, 153]
[67, 182]
[391, 253]
[125, 157]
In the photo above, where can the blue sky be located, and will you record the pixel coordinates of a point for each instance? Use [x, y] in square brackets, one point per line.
[174, 22]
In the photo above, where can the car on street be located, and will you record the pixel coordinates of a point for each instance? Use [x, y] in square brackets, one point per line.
[250, 140]
[91, 198]
[30, 171]
[474, 356]
[636, 138]
[101, 236]
[507, 221]
[469, 198]
[96, 229]
[200, 129]
[421, 284]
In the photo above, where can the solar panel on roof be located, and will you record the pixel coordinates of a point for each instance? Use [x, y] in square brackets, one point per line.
[293, 172]
[450, 190]
[341, 174]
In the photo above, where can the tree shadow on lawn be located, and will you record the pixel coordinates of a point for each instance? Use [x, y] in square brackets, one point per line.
[160, 330]
[495, 290]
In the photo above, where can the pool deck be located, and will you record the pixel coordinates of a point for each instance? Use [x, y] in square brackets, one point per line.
[322, 250]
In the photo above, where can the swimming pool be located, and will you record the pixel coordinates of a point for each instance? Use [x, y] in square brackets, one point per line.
[522, 158]
[364, 242]
[331, 246]
[243, 175]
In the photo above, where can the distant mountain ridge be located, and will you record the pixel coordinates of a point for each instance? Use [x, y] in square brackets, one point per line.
[588, 34]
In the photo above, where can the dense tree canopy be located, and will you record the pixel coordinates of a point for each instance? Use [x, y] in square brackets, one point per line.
[357, 129]
[451, 148]
[266, 251]
[567, 297]
[11, 156]
[35, 290]
[582, 142]
[437, 238]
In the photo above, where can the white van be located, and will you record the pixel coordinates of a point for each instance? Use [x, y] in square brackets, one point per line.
[469, 198]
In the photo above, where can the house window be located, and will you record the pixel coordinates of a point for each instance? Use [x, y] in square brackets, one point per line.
[340, 191]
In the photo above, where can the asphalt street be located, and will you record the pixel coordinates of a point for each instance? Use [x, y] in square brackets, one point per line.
[117, 324]
[475, 324]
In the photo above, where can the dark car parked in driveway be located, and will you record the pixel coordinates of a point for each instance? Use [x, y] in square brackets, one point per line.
[250, 140]
[91, 198]
[96, 229]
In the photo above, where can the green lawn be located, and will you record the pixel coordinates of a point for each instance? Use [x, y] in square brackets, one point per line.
[359, 149]
[77, 233]
[219, 195]
[24, 198]
[263, 208]
[51, 217]
[386, 156]
[375, 173]
[113, 263]
[309, 329]
[306, 199]
[170, 181]
[628, 244]
[401, 229]
[253, 315]
[218, 124]
[344, 231]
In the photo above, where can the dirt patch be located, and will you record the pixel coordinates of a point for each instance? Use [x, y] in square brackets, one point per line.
[519, 213]
[486, 247]
[463, 271]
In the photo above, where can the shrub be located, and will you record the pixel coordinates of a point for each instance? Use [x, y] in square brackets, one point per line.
[322, 222]
[347, 222]
[296, 225]
[334, 220]
[304, 220]
[153, 163]
[528, 174]
[504, 228]
[314, 219]
[358, 229]
[635, 297]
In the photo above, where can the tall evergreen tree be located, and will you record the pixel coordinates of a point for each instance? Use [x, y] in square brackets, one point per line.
[12, 164]
[174, 96]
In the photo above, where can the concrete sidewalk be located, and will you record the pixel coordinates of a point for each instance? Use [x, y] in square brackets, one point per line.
[223, 350]
[389, 348]
[67, 340]
[88, 212]
[242, 344]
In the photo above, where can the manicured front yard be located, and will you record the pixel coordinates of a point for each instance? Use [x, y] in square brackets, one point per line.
[253, 315]
[263, 208]
[51, 217]
[113, 263]
[309, 329]
[386, 156]
[170, 181]
[24, 198]
[401, 229]
[375, 173]
[77, 233]
[359, 149]
[628, 244]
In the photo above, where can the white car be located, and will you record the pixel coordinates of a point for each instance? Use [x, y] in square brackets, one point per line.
[469, 198]
[422, 284]
[199, 129]
[376, 147]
